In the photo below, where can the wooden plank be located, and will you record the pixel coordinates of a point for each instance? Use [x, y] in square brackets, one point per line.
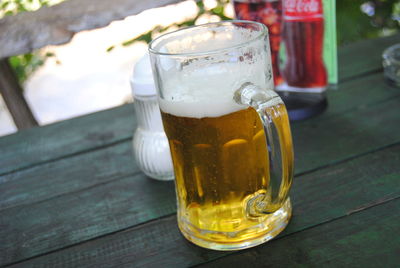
[39, 145]
[55, 25]
[61, 177]
[363, 57]
[357, 94]
[318, 197]
[12, 94]
[365, 239]
[31, 230]
[332, 137]
[313, 151]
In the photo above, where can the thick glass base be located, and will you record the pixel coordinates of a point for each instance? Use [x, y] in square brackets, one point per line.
[269, 228]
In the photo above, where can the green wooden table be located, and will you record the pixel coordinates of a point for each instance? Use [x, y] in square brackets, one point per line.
[71, 194]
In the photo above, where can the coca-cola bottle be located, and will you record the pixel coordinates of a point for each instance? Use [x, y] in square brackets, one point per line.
[303, 31]
[268, 12]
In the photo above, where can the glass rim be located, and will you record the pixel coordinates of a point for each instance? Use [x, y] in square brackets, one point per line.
[263, 32]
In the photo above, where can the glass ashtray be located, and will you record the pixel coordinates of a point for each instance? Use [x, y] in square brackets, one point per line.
[391, 65]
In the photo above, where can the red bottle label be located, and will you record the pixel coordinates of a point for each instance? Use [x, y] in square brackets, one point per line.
[302, 10]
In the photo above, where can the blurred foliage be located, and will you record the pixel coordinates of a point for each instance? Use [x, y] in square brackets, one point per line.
[12, 7]
[217, 12]
[361, 19]
[25, 65]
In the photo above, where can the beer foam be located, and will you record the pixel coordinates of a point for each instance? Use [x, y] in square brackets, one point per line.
[209, 91]
[199, 109]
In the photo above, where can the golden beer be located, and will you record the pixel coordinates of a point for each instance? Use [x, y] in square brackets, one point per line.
[220, 162]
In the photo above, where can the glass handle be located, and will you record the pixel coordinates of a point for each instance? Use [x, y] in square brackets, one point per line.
[275, 120]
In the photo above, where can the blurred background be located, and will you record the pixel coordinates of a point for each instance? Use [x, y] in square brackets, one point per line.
[91, 72]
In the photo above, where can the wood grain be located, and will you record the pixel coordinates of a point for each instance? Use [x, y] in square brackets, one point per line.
[90, 210]
[330, 139]
[357, 94]
[363, 57]
[39, 145]
[365, 239]
[319, 197]
[74, 174]
[65, 220]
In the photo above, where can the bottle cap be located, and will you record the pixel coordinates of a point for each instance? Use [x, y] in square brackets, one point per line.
[142, 82]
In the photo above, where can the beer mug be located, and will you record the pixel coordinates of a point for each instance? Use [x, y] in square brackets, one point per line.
[228, 132]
